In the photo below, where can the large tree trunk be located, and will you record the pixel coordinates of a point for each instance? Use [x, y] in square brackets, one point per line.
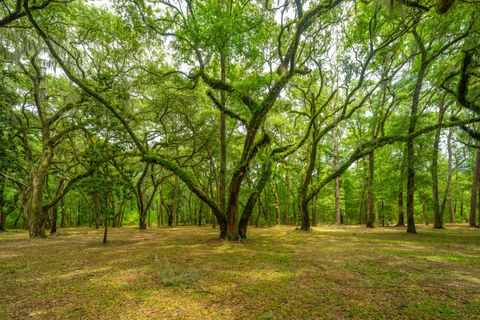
[303, 190]
[230, 231]
[370, 196]
[37, 218]
[231, 228]
[142, 198]
[252, 199]
[474, 191]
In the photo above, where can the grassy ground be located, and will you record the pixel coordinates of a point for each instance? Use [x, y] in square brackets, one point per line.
[279, 273]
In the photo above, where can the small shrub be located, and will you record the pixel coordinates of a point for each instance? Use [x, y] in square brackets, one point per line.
[168, 277]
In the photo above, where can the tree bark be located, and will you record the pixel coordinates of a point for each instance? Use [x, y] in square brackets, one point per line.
[141, 196]
[37, 218]
[253, 199]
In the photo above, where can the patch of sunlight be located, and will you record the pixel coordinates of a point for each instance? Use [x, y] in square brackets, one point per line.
[408, 245]
[77, 273]
[38, 313]
[230, 248]
[446, 258]
[467, 277]
[170, 304]
[5, 256]
[122, 278]
[263, 275]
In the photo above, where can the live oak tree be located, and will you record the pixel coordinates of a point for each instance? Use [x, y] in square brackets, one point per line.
[50, 108]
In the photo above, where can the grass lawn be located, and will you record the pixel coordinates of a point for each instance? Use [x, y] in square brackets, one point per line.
[279, 273]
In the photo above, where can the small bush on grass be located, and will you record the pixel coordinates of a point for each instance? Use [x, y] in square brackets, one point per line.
[168, 277]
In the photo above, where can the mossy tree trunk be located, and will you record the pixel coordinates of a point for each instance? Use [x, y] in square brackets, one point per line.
[37, 217]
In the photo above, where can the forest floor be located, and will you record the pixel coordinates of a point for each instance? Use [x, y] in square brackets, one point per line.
[279, 273]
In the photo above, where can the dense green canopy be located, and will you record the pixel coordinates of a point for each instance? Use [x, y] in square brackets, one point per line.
[238, 112]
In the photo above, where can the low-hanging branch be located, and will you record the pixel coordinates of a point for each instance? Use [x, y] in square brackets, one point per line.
[71, 183]
[187, 179]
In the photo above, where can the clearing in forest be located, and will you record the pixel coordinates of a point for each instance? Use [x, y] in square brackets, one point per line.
[278, 273]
